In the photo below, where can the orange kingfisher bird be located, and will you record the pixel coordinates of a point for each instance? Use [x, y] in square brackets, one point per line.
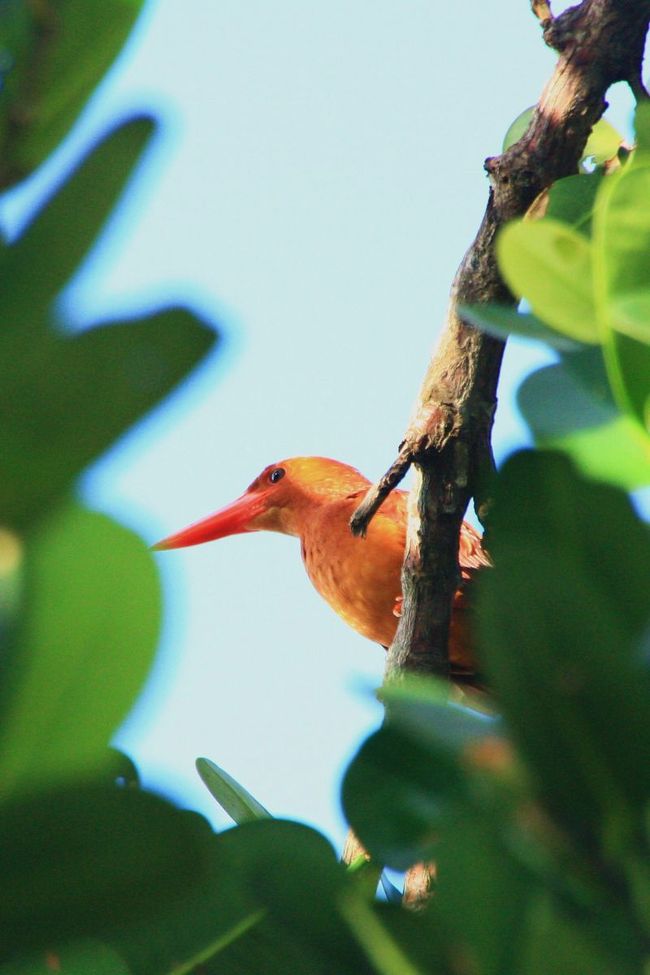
[314, 498]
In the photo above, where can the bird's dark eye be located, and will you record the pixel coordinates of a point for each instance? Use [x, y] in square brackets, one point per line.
[277, 475]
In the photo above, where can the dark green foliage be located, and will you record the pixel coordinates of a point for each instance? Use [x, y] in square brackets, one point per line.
[65, 397]
[55, 52]
[90, 861]
[557, 838]
[570, 406]
[82, 648]
[571, 627]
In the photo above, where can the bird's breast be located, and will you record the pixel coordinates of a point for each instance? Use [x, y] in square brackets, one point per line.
[358, 577]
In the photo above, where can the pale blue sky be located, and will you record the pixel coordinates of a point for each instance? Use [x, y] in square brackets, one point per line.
[315, 183]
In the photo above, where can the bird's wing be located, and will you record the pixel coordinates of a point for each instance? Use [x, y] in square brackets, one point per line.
[471, 554]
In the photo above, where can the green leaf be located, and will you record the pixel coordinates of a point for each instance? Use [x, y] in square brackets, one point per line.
[409, 777]
[123, 769]
[629, 362]
[65, 399]
[293, 873]
[550, 265]
[60, 56]
[90, 862]
[483, 893]
[621, 242]
[17, 40]
[630, 314]
[642, 126]
[503, 321]
[233, 798]
[413, 793]
[561, 618]
[565, 413]
[603, 143]
[517, 128]
[11, 582]
[382, 949]
[395, 794]
[557, 941]
[420, 707]
[36, 268]
[84, 647]
[622, 235]
[412, 776]
[83, 958]
[572, 200]
[268, 903]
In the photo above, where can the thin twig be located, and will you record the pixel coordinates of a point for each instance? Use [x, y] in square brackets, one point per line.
[542, 10]
[377, 494]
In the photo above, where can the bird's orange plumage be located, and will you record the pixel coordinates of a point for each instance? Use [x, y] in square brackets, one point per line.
[314, 498]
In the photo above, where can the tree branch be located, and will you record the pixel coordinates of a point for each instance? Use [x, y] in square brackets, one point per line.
[448, 438]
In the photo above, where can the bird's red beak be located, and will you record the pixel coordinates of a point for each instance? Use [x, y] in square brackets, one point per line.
[234, 519]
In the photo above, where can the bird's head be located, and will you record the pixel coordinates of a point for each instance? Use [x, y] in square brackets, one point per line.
[279, 499]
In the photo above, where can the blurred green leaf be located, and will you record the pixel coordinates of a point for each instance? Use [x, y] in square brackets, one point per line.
[550, 265]
[517, 128]
[396, 793]
[83, 650]
[269, 903]
[558, 942]
[381, 948]
[65, 398]
[631, 314]
[503, 321]
[367, 875]
[572, 200]
[233, 798]
[41, 262]
[423, 935]
[84, 958]
[642, 126]
[210, 920]
[292, 872]
[412, 776]
[628, 365]
[561, 619]
[299, 880]
[421, 707]
[17, 39]
[58, 54]
[123, 769]
[483, 893]
[90, 862]
[73, 396]
[11, 581]
[603, 142]
[622, 243]
[580, 418]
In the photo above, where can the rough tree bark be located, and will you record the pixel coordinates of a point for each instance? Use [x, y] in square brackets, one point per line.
[448, 439]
